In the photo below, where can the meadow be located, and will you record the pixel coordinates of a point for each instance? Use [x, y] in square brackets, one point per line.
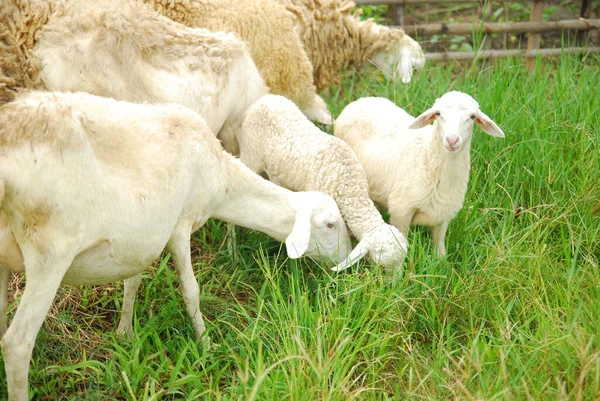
[512, 313]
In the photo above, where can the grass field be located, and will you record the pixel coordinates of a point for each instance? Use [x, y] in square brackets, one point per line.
[512, 313]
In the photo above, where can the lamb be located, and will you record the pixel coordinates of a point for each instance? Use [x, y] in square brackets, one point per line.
[278, 140]
[270, 34]
[418, 172]
[126, 50]
[92, 189]
[336, 39]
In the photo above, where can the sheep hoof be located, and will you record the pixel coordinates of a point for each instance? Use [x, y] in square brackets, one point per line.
[208, 344]
[318, 112]
[125, 331]
[321, 116]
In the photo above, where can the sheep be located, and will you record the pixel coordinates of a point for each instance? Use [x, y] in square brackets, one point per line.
[336, 39]
[126, 50]
[277, 139]
[270, 34]
[416, 171]
[92, 189]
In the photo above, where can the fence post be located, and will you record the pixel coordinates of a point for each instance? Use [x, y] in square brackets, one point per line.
[400, 14]
[506, 19]
[396, 13]
[586, 8]
[533, 39]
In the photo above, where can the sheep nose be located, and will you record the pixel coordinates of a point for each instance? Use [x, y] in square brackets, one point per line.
[452, 140]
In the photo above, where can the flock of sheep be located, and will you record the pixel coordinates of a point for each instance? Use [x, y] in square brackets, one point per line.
[125, 125]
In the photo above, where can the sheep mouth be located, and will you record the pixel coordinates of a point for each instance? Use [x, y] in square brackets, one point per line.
[451, 149]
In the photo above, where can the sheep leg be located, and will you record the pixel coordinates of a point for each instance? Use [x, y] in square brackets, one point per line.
[401, 219]
[253, 163]
[229, 135]
[232, 244]
[438, 235]
[317, 111]
[43, 279]
[4, 277]
[179, 246]
[131, 286]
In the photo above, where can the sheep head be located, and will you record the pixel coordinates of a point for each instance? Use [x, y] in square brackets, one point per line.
[399, 57]
[454, 114]
[384, 245]
[319, 229]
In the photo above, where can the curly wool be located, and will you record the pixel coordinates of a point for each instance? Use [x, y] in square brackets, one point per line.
[270, 34]
[20, 20]
[335, 38]
[277, 139]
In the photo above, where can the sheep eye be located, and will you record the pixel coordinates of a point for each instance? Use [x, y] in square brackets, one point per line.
[437, 113]
[330, 225]
[472, 116]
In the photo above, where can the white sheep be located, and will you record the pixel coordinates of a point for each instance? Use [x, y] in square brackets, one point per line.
[269, 31]
[418, 172]
[336, 39]
[277, 139]
[126, 50]
[93, 190]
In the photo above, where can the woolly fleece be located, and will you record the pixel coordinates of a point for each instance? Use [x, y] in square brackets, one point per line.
[20, 20]
[335, 38]
[270, 34]
[126, 50]
[278, 140]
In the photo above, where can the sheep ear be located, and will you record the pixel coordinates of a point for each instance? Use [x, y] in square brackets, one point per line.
[361, 250]
[297, 242]
[425, 118]
[405, 67]
[487, 125]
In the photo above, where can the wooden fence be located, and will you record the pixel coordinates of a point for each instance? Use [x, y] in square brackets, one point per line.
[533, 29]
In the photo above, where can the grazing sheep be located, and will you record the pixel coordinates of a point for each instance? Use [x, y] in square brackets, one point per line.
[336, 39]
[93, 190]
[278, 140]
[124, 49]
[270, 34]
[418, 172]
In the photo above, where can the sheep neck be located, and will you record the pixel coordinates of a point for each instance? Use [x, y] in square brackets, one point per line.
[252, 202]
[358, 210]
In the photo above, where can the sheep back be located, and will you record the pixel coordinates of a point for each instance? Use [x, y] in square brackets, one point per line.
[294, 153]
[127, 50]
[269, 32]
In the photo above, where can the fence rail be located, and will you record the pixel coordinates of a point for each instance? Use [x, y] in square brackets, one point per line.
[400, 2]
[533, 29]
[500, 27]
[488, 54]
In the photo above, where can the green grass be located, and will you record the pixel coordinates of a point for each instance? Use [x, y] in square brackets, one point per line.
[512, 313]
